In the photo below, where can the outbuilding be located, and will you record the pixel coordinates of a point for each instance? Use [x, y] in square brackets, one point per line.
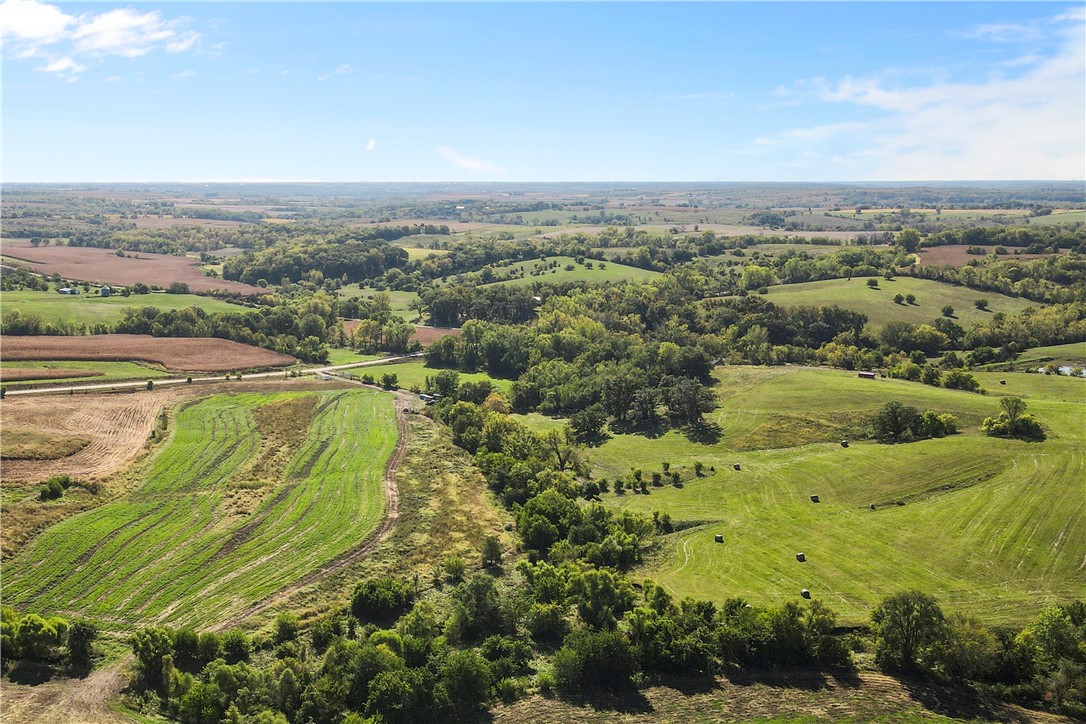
[866, 375]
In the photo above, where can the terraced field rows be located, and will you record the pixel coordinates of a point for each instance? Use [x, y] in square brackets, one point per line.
[172, 552]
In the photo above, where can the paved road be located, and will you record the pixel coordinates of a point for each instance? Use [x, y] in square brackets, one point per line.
[164, 381]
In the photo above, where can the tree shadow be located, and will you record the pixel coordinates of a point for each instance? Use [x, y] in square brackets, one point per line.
[805, 679]
[630, 701]
[29, 674]
[652, 430]
[705, 433]
[958, 702]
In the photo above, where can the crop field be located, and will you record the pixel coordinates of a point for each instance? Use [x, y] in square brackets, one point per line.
[956, 255]
[611, 272]
[93, 309]
[880, 308]
[184, 354]
[997, 527]
[251, 492]
[112, 429]
[104, 266]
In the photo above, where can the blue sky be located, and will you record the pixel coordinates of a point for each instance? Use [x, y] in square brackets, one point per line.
[543, 92]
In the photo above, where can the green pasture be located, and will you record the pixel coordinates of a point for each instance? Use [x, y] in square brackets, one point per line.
[989, 526]
[92, 309]
[611, 272]
[399, 301]
[1073, 354]
[880, 308]
[414, 374]
[342, 356]
[181, 549]
[111, 372]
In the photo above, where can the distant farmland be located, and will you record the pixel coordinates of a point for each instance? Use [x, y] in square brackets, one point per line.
[880, 308]
[182, 354]
[92, 309]
[556, 269]
[103, 265]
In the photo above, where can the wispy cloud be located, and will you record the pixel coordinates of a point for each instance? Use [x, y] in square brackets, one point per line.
[371, 144]
[467, 162]
[714, 95]
[183, 75]
[35, 29]
[1025, 126]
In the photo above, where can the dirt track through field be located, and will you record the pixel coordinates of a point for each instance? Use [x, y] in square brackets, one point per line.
[392, 516]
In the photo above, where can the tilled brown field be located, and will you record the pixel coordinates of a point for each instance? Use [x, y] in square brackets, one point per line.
[958, 256]
[423, 335]
[181, 354]
[103, 265]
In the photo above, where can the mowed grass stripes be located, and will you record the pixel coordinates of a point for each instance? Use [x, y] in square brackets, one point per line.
[175, 550]
[991, 527]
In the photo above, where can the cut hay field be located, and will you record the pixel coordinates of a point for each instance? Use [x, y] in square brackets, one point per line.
[880, 308]
[103, 265]
[182, 354]
[995, 527]
[250, 493]
[611, 272]
[93, 309]
[400, 301]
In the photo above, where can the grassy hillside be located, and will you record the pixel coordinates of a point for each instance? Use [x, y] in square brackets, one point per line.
[91, 308]
[878, 304]
[611, 272]
[251, 492]
[995, 526]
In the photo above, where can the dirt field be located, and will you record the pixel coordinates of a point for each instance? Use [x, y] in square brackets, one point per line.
[428, 335]
[423, 335]
[155, 222]
[116, 425]
[957, 256]
[181, 354]
[15, 374]
[103, 265]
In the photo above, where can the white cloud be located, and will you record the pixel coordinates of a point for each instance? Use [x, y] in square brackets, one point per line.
[30, 20]
[36, 29]
[63, 67]
[184, 42]
[371, 144]
[467, 162]
[344, 69]
[113, 79]
[183, 75]
[1030, 125]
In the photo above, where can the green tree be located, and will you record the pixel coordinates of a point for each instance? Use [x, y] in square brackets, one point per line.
[895, 422]
[492, 551]
[908, 239]
[907, 626]
[602, 596]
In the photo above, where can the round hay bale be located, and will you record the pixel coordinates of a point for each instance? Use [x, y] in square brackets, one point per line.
[805, 593]
[844, 443]
[718, 538]
[814, 499]
[801, 558]
[736, 466]
[509, 526]
[1003, 382]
